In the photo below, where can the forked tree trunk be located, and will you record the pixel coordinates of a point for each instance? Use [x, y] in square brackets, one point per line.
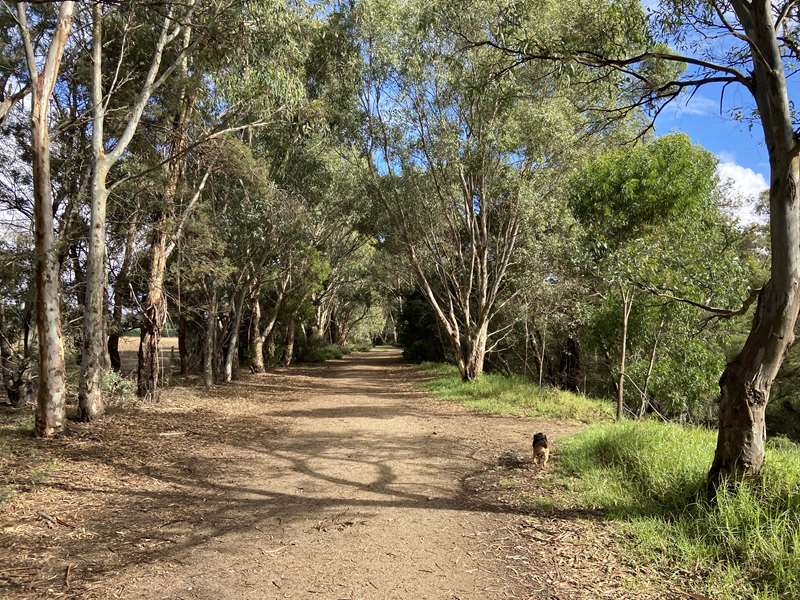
[155, 305]
[90, 399]
[50, 401]
[232, 352]
[257, 335]
[746, 382]
[470, 363]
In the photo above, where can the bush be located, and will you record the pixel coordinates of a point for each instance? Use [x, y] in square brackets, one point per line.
[117, 387]
[652, 476]
[513, 395]
[359, 347]
[418, 331]
[321, 353]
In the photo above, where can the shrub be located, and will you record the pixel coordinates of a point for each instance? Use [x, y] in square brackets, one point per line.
[321, 353]
[117, 387]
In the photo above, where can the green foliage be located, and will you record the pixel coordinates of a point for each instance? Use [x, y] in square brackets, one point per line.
[651, 475]
[320, 352]
[418, 332]
[117, 387]
[626, 193]
[503, 395]
[653, 230]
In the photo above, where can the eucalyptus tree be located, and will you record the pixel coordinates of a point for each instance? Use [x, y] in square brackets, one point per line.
[238, 83]
[459, 157]
[655, 236]
[717, 43]
[174, 26]
[622, 195]
[46, 50]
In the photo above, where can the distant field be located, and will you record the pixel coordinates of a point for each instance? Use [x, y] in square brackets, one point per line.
[129, 351]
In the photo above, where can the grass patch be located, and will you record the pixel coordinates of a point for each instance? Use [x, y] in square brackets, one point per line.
[516, 396]
[651, 475]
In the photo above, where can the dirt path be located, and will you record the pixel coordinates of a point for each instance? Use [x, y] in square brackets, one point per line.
[335, 481]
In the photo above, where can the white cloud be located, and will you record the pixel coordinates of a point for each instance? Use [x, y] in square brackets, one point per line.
[697, 106]
[744, 186]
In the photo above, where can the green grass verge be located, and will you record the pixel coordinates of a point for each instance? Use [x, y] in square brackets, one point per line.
[499, 394]
[650, 476]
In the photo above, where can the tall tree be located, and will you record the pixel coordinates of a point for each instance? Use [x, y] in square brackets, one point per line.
[105, 157]
[52, 377]
[750, 44]
[459, 157]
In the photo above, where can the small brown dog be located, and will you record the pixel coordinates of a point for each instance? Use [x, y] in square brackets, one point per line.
[541, 449]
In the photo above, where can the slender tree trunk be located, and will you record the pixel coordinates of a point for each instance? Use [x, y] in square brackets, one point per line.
[94, 358]
[90, 398]
[50, 402]
[269, 349]
[542, 354]
[183, 344]
[210, 341]
[289, 351]
[120, 289]
[153, 320]
[50, 405]
[256, 341]
[232, 352]
[627, 302]
[525, 368]
[645, 399]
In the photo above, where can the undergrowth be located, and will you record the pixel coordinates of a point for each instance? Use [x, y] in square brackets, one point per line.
[651, 476]
[322, 352]
[517, 396]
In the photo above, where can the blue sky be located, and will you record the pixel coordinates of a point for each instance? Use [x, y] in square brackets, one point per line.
[739, 145]
[729, 139]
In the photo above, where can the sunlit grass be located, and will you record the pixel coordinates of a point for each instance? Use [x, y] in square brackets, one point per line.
[651, 476]
[514, 396]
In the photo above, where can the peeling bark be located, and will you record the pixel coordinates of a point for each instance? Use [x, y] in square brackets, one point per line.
[50, 402]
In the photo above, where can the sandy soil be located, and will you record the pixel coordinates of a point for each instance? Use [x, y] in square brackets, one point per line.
[331, 482]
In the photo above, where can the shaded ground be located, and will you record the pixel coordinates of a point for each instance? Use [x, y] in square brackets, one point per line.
[334, 481]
